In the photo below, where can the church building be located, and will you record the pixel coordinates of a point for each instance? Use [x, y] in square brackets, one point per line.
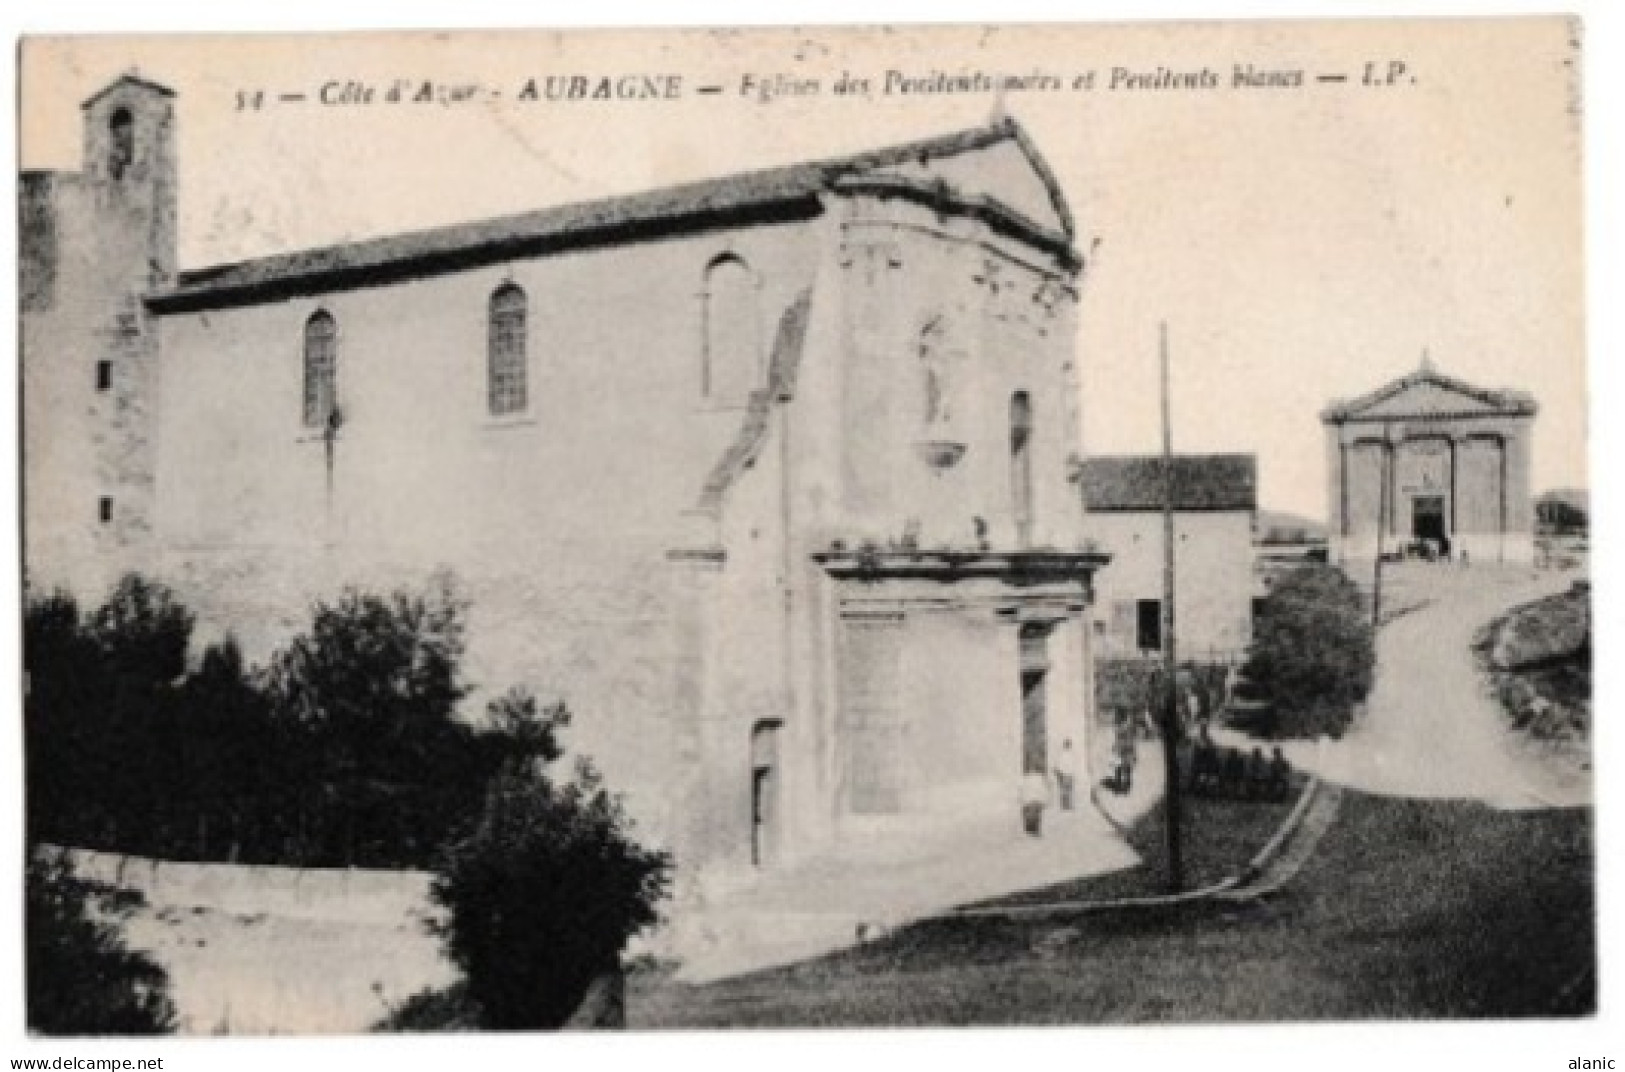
[766, 476]
[1432, 464]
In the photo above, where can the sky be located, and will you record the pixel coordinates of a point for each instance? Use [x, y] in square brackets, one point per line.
[1303, 243]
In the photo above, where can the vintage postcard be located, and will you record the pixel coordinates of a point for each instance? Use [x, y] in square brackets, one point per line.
[842, 527]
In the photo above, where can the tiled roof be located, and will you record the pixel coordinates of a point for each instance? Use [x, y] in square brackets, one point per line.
[1201, 482]
[734, 196]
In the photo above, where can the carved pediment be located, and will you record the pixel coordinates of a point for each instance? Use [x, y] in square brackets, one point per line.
[1429, 394]
[1007, 171]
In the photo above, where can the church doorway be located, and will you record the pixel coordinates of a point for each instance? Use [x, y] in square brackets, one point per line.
[765, 789]
[1034, 707]
[1428, 523]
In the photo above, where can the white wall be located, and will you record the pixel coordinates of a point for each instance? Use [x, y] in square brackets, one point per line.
[557, 523]
[1213, 567]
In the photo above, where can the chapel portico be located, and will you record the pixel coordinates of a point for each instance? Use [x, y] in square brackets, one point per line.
[1432, 464]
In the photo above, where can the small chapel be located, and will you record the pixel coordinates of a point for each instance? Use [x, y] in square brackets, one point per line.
[1432, 465]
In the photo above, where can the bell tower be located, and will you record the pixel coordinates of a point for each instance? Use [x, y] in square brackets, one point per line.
[129, 190]
[95, 242]
[129, 168]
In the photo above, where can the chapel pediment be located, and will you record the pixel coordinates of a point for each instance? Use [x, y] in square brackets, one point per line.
[1430, 394]
[1007, 171]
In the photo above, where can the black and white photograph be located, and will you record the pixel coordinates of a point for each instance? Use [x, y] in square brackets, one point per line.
[840, 527]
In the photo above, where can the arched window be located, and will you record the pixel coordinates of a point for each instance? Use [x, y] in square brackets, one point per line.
[506, 360]
[1021, 466]
[732, 366]
[321, 369]
[121, 142]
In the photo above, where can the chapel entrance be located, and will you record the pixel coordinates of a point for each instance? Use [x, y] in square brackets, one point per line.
[1428, 522]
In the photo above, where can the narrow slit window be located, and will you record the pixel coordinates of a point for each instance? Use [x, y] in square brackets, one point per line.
[104, 375]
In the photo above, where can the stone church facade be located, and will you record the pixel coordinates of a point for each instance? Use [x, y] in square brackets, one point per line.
[767, 476]
[1430, 460]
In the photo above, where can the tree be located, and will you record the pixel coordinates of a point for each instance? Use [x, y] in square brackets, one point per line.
[369, 694]
[374, 669]
[82, 979]
[1313, 652]
[99, 726]
[544, 893]
[143, 631]
[1561, 513]
[348, 750]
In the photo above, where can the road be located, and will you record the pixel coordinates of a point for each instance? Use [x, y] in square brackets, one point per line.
[1432, 729]
[1456, 881]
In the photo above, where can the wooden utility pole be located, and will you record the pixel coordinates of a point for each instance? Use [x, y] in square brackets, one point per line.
[1385, 477]
[1171, 729]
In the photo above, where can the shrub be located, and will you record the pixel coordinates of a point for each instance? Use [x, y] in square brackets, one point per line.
[1313, 652]
[431, 1009]
[543, 895]
[1132, 688]
[82, 980]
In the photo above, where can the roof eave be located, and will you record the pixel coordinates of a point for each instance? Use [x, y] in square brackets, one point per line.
[989, 210]
[1045, 173]
[127, 79]
[325, 279]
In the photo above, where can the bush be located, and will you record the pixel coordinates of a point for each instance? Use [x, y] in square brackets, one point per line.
[1313, 652]
[1130, 689]
[446, 1009]
[543, 895]
[82, 980]
[349, 751]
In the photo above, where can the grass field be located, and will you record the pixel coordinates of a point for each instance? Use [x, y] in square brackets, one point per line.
[1410, 909]
[1219, 837]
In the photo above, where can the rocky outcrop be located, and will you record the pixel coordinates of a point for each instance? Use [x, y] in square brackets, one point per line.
[1538, 658]
[1546, 631]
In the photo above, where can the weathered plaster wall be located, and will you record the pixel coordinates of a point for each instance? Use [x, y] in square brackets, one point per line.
[943, 299]
[674, 623]
[557, 522]
[91, 244]
[1213, 568]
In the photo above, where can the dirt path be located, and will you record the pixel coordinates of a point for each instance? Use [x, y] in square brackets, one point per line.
[1432, 729]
